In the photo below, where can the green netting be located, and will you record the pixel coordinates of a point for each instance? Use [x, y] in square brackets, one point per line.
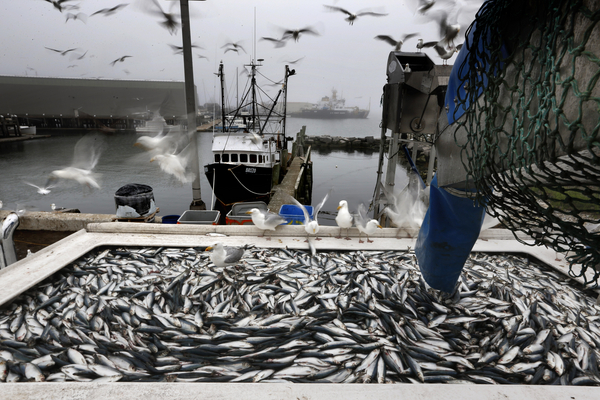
[532, 147]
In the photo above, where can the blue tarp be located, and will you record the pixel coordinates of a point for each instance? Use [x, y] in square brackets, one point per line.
[448, 233]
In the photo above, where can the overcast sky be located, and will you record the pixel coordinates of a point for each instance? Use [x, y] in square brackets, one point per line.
[342, 56]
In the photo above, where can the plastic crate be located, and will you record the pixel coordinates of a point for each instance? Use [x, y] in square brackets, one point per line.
[293, 214]
[238, 216]
[200, 217]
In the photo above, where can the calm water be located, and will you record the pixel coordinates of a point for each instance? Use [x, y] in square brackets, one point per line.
[352, 175]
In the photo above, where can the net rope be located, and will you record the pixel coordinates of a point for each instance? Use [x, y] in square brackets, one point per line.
[532, 119]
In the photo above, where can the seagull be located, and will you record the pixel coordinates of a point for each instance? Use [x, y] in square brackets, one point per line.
[352, 16]
[201, 56]
[448, 32]
[120, 59]
[62, 52]
[364, 224]
[233, 46]
[265, 220]
[179, 49]
[406, 208]
[397, 44]
[225, 256]
[420, 44]
[112, 10]
[276, 42]
[255, 138]
[344, 219]
[41, 189]
[86, 154]
[446, 53]
[79, 16]
[169, 19]
[311, 226]
[425, 5]
[176, 164]
[57, 4]
[295, 33]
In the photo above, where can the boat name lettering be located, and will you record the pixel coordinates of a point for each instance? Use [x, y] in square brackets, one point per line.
[250, 170]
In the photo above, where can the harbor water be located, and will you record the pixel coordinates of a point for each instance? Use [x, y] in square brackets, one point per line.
[351, 174]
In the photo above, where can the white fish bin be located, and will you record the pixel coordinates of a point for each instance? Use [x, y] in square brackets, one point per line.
[140, 311]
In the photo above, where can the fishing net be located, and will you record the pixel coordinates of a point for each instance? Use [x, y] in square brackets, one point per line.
[531, 106]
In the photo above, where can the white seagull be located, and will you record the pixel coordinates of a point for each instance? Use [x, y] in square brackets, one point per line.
[85, 157]
[364, 224]
[176, 164]
[41, 189]
[225, 256]
[311, 226]
[265, 220]
[344, 219]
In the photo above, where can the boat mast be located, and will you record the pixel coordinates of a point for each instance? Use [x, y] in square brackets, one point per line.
[222, 79]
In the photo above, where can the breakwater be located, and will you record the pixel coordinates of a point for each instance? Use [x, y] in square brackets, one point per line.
[340, 142]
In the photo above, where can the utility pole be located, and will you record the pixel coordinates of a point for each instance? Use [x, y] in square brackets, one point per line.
[190, 102]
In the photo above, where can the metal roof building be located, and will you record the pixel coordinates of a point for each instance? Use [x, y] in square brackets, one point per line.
[102, 98]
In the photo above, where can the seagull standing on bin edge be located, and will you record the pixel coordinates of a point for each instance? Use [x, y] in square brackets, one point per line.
[344, 219]
[311, 226]
[364, 224]
[265, 220]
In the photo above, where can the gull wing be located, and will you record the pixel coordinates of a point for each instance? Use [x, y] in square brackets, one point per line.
[320, 205]
[304, 211]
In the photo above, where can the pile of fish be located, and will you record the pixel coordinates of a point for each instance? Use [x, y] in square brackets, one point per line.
[168, 314]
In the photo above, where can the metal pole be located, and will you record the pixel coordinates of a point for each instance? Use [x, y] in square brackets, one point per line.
[190, 101]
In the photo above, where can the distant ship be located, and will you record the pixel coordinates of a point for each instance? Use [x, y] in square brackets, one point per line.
[331, 108]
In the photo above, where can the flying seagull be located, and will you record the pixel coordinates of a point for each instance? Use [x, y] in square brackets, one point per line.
[86, 154]
[112, 10]
[352, 16]
[79, 16]
[276, 42]
[62, 52]
[169, 20]
[295, 33]
[233, 46]
[58, 4]
[397, 44]
[120, 59]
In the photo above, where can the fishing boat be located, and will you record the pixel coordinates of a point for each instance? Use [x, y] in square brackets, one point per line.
[331, 108]
[247, 145]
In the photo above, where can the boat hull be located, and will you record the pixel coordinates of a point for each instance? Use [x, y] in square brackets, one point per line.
[331, 114]
[236, 183]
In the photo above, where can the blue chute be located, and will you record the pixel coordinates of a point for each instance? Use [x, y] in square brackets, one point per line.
[447, 235]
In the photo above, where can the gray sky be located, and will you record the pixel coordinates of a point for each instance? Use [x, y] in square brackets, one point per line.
[342, 56]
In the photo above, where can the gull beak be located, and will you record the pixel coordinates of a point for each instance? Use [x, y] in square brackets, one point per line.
[208, 248]
[339, 207]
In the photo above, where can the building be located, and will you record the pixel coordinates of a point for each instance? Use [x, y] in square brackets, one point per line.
[75, 103]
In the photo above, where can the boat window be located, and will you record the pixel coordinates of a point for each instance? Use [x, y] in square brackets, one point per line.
[217, 158]
[266, 158]
[260, 159]
[243, 157]
[225, 157]
[253, 158]
[234, 158]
